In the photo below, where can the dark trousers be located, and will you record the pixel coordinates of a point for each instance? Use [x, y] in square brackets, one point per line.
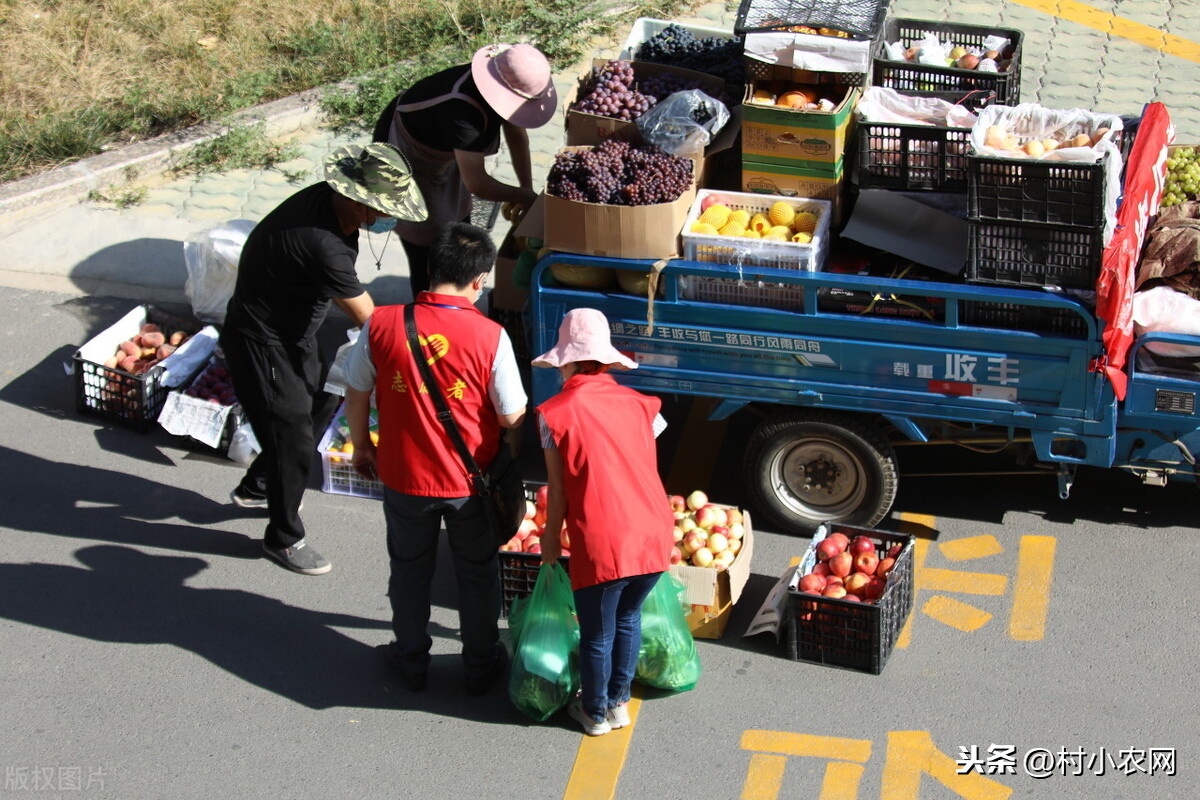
[278, 389]
[413, 525]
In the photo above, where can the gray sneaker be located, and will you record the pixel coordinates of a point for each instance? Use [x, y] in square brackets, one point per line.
[299, 558]
[618, 716]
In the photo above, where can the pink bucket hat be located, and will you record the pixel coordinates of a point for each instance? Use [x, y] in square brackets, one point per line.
[515, 81]
[583, 336]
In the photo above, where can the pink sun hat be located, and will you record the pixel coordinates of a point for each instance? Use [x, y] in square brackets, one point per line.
[516, 82]
[583, 336]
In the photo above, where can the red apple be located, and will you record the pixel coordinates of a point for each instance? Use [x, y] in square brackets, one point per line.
[885, 567]
[693, 541]
[827, 549]
[537, 548]
[564, 539]
[856, 582]
[853, 598]
[862, 544]
[874, 589]
[813, 584]
[676, 556]
[866, 563]
[841, 564]
[696, 499]
[711, 200]
[840, 537]
[540, 496]
[678, 503]
[834, 579]
[821, 569]
[834, 590]
[894, 551]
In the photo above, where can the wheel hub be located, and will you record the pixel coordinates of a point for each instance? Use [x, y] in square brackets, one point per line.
[819, 475]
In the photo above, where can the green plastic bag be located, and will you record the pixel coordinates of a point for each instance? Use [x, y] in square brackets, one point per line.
[668, 657]
[545, 670]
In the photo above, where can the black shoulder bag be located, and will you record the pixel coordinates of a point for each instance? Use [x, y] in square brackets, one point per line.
[500, 487]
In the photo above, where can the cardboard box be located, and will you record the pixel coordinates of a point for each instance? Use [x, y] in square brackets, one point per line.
[596, 229]
[712, 593]
[794, 138]
[788, 181]
[506, 295]
[591, 129]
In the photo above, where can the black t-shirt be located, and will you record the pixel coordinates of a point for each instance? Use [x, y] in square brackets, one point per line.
[293, 263]
[452, 124]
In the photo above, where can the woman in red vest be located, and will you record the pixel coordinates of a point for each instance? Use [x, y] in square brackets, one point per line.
[602, 476]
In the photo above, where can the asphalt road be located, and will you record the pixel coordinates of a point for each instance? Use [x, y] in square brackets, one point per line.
[147, 651]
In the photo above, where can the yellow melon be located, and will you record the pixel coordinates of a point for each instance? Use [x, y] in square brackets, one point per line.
[703, 227]
[779, 231]
[759, 223]
[781, 213]
[731, 228]
[741, 216]
[716, 215]
[801, 237]
[805, 221]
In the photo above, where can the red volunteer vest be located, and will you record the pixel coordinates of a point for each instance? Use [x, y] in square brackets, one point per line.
[618, 515]
[415, 454]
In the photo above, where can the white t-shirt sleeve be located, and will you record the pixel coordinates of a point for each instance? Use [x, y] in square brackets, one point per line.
[360, 369]
[504, 385]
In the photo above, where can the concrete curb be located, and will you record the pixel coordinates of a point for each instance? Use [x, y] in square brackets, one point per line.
[73, 181]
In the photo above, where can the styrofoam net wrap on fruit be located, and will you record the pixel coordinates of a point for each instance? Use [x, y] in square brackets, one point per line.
[881, 104]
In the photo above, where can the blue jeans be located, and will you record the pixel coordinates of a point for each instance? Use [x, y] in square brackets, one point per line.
[610, 635]
[413, 526]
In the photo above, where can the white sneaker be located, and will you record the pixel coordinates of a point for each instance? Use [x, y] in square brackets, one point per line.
[618, 716]
[590, 726]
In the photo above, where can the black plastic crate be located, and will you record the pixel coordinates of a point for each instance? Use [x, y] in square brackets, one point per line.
[912, 157]
[1010, 316]
[1034, 255]
[1034, 190]
[969, 87]
[843, 633]
[131, 400]
[762, 71]
[858, 19]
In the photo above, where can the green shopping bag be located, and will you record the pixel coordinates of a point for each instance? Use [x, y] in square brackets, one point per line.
[545, 670]
[668, 657]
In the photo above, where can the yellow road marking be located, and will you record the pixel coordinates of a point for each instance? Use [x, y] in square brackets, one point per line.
[911, 754]
[600, 759]
[1090, 17]
[949, 580]
[956, 614]
[765, 778]
[1035, 567]
[970, 547]
[918, 525]
[841, 781]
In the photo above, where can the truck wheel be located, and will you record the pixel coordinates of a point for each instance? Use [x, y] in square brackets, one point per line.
[807, 468]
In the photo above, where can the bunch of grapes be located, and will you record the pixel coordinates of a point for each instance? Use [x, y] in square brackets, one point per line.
[1183, 177]
[678, 47]
[611, 93]
[619, 173]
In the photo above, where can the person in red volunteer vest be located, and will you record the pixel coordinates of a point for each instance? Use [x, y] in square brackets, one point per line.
[425, 482]
[602, 480]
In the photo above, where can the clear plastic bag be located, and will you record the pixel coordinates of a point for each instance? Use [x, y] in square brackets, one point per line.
[335, 380]
[668, 658]
[211, 259]
[684, 123]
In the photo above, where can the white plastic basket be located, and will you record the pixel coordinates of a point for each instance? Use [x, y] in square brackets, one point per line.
[339, 474]
[645, 28]
[737, 252]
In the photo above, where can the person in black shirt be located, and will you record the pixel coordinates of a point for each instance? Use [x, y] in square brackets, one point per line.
[448, 122]
[296, 261]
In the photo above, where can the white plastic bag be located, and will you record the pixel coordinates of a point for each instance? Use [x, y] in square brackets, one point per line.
[1164, 310]
[243, 446]
[880, 104]
[335, 380]
[211, 258]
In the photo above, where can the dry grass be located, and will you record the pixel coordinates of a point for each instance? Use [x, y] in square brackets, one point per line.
[80, 75]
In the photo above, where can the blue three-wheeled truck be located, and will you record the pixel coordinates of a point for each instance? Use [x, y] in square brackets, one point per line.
[835, 390]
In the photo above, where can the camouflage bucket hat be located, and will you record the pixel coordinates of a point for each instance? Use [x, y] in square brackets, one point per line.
[377, 175]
